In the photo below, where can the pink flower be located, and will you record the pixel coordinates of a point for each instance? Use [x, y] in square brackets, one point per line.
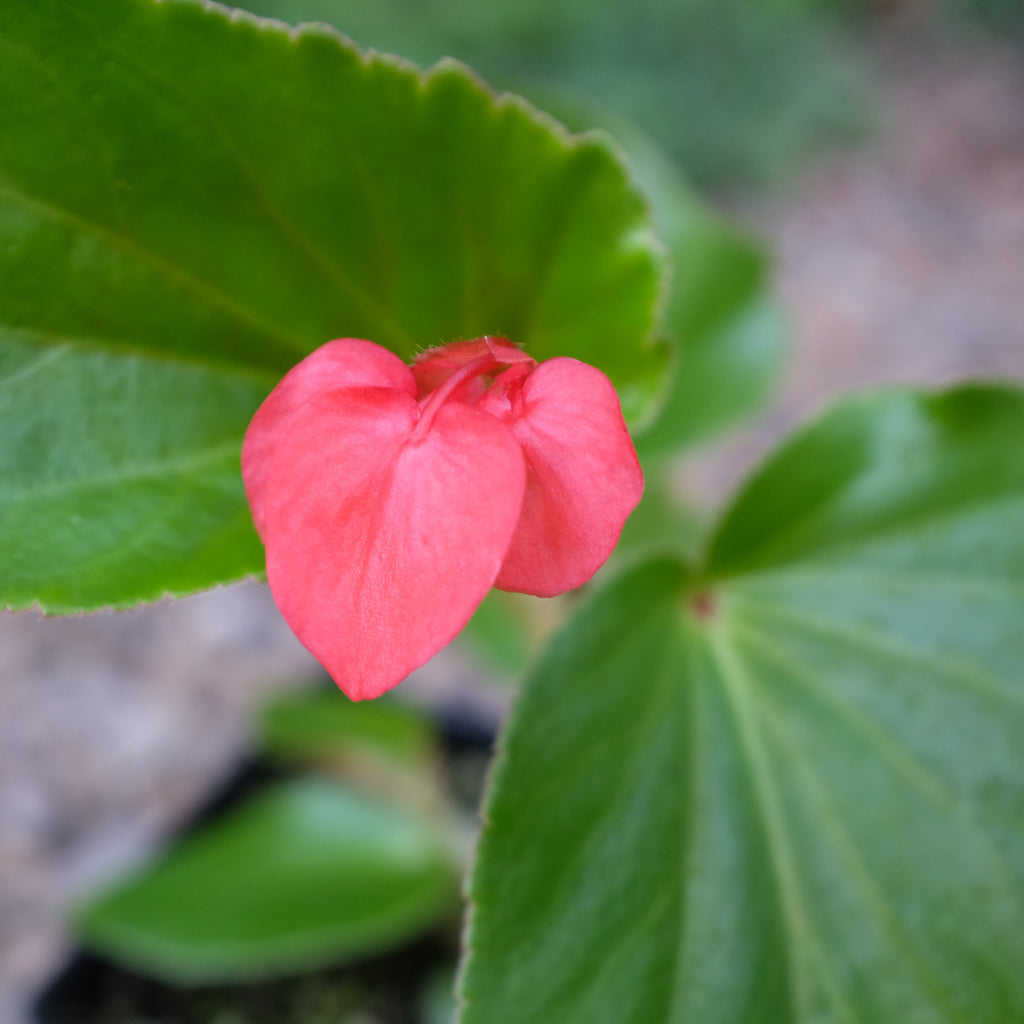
[392, 498]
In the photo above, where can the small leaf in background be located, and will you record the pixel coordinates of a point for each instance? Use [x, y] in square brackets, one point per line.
[325, 723]
[191, 201]
[788, 788]
[729, 334]
[661, 523]
[736, 92]
[508, 629]
[385, 749]
[302, 875]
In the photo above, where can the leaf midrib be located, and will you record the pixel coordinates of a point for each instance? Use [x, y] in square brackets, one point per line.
[736, 690]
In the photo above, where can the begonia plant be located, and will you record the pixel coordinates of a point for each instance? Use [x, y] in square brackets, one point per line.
[771, 777]
[391, 498]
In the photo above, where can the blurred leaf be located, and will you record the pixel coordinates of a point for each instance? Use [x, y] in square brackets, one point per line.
[788, 789]
[438, 1006]
[499, 633]
[382, 748]
[302, 875]
[729, 339]
[325, 722]
[729, 335]
[191, 201]
[661, 523]
[1003, 16]
[735, 91]
[507, 630]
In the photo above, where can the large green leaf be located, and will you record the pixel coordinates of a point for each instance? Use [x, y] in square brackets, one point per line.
[302, 875]
[193, 199]
[790, 788]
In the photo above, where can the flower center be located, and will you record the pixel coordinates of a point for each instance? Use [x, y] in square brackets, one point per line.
[468, 371]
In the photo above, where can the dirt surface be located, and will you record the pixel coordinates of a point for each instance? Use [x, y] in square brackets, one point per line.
[901, 262]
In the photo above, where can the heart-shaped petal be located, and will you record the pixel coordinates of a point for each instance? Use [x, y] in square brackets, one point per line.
[345, 362]
[583, 478]
[384, 532]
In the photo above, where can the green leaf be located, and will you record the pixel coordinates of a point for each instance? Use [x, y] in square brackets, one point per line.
[325, 723]
[788, 789]
[437, 1002]
[729, 334]
[661, 523]
[508, 629]
[383, 748]
[737, 92]
[729, 339]
[120, 474]
[304, 874]
[191, 200]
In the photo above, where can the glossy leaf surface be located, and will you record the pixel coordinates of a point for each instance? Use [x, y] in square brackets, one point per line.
[788, 789]
[304, 874]
[191, 200]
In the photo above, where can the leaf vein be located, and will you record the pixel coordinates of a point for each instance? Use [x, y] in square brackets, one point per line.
[865, 880]
[737, 692]
[32, 367]
[849, 540]
[118, 240]
[136, 471]
[923, 777]
[881, 642]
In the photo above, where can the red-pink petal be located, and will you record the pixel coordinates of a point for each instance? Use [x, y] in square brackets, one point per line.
[582, 478]
[381, 539]
[344, 363]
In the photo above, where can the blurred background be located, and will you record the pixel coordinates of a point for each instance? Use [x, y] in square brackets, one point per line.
[876, 149]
